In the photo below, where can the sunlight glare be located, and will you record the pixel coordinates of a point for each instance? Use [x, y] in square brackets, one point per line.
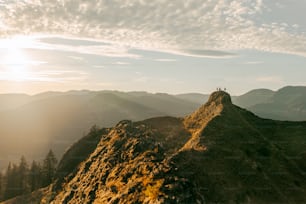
[16, 60]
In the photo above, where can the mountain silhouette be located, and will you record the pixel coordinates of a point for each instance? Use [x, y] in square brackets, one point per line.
[288, 103]
[220, 153]
[31, 124]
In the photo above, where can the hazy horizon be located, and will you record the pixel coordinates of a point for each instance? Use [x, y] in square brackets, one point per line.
[130, 91]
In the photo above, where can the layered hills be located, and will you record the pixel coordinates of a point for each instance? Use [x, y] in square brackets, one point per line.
[220, 153]
[288, 103]
[31, 125]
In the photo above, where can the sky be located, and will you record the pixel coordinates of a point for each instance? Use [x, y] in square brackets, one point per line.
[156, 46]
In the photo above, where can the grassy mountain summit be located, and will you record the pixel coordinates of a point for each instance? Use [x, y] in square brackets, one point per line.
[220, 153]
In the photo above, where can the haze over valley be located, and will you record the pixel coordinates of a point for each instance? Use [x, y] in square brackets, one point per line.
[31, 125]
[135, 101]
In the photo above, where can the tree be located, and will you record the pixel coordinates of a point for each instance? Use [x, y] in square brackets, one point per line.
[49, 168]
[22, 177]
[11, 187]
[8, 175]
[35, 176]
[1, 186]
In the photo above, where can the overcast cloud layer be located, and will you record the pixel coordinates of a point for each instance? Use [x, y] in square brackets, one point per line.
[191, 27]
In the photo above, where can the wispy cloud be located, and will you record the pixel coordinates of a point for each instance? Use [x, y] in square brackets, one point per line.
[77, 58]
[166, 60]
[84, 46]
[197, 28]
[23, 63]
[206, 53]
[121, 63]
[59, 76]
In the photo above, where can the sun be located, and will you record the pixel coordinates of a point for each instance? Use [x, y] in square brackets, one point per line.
[16, 60]
[16, 65]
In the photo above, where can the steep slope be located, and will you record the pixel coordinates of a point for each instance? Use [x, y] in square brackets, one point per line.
[218, 154]
[77, 153]
[246, 158]
[129, 164]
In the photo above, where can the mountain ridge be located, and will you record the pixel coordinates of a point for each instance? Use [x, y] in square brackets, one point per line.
[220, 153]
[49, 128]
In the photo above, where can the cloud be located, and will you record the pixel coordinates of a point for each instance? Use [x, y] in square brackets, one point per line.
[77, 58]
[207, 53]
[23, 63]
[166, 60]
[121, 63]
[83, 46]
[58, 76]
[191, 27]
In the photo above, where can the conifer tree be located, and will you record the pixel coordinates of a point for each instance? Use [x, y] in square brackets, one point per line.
[1, 186]
[35, 176]
[49, 168]
[22, 177]
[11, 187]
[8, 175]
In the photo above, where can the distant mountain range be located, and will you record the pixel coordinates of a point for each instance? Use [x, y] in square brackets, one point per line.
[288, 103]
[220, 153]
[31, 125]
